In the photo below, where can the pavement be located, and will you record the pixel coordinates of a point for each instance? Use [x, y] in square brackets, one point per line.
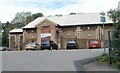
[55, 60]
[98, 66]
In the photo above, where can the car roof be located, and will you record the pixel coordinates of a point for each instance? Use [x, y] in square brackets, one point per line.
[71, 41]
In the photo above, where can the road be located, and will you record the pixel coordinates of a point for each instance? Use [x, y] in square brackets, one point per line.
[55, 60]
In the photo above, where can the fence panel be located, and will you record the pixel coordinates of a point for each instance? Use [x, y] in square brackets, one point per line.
[114, 46]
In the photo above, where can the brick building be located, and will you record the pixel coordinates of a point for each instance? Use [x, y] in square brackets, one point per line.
[80, 27]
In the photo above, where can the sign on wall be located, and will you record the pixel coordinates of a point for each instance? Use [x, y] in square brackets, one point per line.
[45, 36]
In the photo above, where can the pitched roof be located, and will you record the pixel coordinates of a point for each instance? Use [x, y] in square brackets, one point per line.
[78, 19]
[34, 22]
[16, 31]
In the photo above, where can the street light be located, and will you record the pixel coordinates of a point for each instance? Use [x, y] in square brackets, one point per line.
[102, 19]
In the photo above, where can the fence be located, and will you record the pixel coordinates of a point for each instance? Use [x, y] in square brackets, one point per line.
[114, 46]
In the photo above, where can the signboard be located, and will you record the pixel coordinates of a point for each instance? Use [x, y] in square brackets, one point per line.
[45, 36]
[102, 19]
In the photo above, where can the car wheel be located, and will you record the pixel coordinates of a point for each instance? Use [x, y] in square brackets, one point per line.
[42, 49]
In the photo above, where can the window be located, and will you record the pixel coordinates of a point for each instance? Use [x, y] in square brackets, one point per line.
[25, 35]
[12, 41]
[20, 38]
[99, 32]
[79, 32]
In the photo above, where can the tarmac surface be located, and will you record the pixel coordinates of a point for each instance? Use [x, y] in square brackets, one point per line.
[47, 60]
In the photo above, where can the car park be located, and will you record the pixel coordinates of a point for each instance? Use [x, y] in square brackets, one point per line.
[48, 45]
[32, 46]
[72, 45]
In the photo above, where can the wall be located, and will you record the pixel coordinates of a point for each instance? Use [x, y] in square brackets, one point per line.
[53, 29]
[15, 43]
[61, 35]
[68, 33]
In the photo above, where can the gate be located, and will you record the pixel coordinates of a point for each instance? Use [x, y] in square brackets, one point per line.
[114, 46]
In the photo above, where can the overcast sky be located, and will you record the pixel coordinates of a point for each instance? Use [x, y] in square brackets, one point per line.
[8, 8]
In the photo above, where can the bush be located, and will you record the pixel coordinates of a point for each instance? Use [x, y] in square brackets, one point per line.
[104, 57]
[118, 64]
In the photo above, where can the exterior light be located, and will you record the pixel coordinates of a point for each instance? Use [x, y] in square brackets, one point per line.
[88, 28]
[88, 35]
[68, 34]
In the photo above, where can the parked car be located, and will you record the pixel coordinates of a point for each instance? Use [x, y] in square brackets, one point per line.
[93, 44]
[48, 45]
[2, 48]
[32, 46]
[72, 45]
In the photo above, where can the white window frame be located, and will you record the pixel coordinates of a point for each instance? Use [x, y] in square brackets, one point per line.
[79, 32]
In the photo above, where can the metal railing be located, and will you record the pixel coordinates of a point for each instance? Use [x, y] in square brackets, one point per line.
[114, 46]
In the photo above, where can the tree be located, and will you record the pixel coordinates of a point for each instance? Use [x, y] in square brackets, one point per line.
[23, 18]
[0, 33]
[6, 27]
[33, 17]
[20, 19]
[115, 16]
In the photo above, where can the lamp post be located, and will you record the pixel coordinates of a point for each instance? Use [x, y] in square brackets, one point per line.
[102, 19]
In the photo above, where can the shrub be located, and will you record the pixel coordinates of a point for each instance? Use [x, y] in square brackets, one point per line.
[104, 57]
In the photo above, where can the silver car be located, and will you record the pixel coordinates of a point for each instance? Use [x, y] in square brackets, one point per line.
[32, 46]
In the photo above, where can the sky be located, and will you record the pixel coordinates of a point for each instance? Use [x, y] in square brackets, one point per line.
[8, 8]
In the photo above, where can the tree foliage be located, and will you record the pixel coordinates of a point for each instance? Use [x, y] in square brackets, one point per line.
[23, 18]
[33, 17]
[20, 20]
[6, 27]
[115, 16]
[0, 33]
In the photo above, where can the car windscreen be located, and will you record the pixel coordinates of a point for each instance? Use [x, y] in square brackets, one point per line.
[31, 44]
[44, 42]
[93, 42]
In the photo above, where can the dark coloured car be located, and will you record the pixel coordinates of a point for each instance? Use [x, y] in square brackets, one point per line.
[3, 48]
[72, 45]
[48, 45]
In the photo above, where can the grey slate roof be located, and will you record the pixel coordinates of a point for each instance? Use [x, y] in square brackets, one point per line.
[67, 20]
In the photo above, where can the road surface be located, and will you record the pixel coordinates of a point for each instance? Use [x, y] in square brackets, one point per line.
[55, 60]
